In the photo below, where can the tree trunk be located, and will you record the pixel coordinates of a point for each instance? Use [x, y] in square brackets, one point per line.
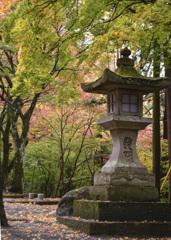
[165, 134]
[168, 105]
[18, 175]
[156, 120]
[6, 167]
[168, 100]
[156, 139]
[3, 218]
[20, 140]
[20, 143]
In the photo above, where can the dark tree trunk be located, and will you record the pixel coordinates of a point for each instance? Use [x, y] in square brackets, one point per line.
[156, 139]
[18, 171]
[168, 100]
[6, 167]
[20, 140]
[156, 121]
[3, 218]
[168, 97]
[165, 134]
[168, 108]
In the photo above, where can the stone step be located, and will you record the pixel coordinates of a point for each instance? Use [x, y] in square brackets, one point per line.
[122, 211]
[118, 229]
[37, 202]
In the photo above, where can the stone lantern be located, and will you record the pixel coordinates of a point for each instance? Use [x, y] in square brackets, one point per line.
[121, 202]
[124, 177]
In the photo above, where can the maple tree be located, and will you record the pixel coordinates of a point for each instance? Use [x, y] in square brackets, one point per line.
[13, 109]
[32, 75]
[57, 27]
[66, 152]
[57, 44]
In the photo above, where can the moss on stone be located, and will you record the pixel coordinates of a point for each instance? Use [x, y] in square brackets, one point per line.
[76, 192]
[89, 211]
[15, 196]
[127, 71]
[119, 229]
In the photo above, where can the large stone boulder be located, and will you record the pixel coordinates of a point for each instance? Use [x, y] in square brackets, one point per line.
[65, 206]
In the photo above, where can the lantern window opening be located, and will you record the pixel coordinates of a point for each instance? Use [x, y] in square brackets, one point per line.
[111, 102]
[130, 103]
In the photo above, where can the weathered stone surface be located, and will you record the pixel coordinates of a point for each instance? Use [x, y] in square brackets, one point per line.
[106, 193]
[120, 219]
[119, 229]
[125, 79]
[127, 62]
[65, 206]
[31, 195]
[40, 196]
[123, 193]
[124, 157]
[122, 211]
[112, 122]
[124, 179]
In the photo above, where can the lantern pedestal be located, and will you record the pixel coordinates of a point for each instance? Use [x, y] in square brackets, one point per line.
[124, 177]
[124, 131]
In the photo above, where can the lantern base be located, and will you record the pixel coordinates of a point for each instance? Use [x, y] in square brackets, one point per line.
[125, 187]
[125, 179]
[124, 193]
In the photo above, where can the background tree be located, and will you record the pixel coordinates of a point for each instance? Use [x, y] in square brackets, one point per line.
[168, 99]
[68, 154]
[3, 218]
[51, 57]
[156, 121]
[31, 67]
[14, 111]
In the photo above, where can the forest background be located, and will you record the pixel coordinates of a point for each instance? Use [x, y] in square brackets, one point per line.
[50, 142]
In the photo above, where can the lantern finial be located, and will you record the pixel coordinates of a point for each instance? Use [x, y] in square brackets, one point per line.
[125, 60]
[125, 52]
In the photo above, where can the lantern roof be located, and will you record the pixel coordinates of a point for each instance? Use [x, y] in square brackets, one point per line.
[125, 77]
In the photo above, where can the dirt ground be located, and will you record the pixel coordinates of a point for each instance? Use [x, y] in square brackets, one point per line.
[31, 222]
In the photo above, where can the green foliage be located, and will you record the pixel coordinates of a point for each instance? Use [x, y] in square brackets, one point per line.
[164, 147]
[144, 150]
[68, 156]
[60, 35]
[165, 168]
[46, 36]
[41, 167]
[144, 147]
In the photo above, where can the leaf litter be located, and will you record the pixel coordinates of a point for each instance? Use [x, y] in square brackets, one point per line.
[33, 222]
